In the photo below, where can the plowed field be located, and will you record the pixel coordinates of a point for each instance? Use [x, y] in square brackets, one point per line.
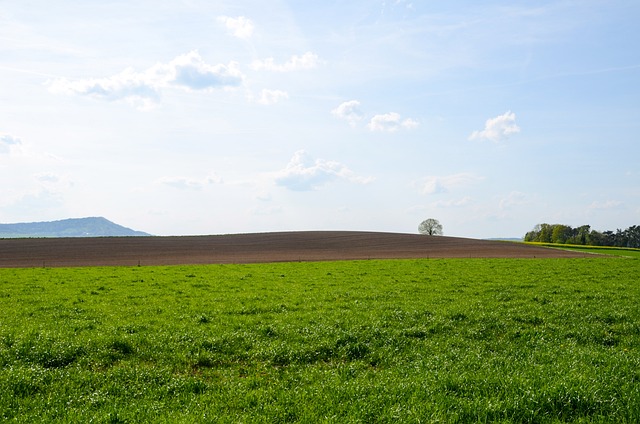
[251, 248]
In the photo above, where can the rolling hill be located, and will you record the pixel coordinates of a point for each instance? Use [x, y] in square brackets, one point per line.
[74, 227]
[252, 248]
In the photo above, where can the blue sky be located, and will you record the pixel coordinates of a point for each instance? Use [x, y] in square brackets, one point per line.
[203, 117]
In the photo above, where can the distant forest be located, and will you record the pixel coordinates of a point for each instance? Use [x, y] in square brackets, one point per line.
[584, 235]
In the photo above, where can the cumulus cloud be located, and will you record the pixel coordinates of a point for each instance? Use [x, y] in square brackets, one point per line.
[609, 204]
[263, 196]
[139, 89]
[497, 129]
[391, 122]
[47, 177]
[186, 183]
[7, 142]
[50, 178]
[515, 198]
[444, 184]
[304, 174]
[53, 182]
[142, 89]
[349, 111]
[191, 72]
[296, 63]
[240, 27]
[28, 204]
[459, 203]
[269, 97]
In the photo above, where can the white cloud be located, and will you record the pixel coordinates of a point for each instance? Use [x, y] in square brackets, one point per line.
[138, 89]
[269, 97]
[184, 183]
[391, 122]
[349, 111]
[191, 72]
[296, 63]
[515, 198]
[465, 201]
[7, 142]
[47, 177]
[142, 89]
[240, 27]
[443, 184]
[53, 181]
[263, 196]
[609, 204]
[266, 211]
[304, 174]
[497, 129]
[31, 205]
[396, 4]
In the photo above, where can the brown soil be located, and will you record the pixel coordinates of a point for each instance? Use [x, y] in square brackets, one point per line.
[250, 248]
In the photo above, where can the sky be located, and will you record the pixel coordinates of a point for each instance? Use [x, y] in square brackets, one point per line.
[180, 117]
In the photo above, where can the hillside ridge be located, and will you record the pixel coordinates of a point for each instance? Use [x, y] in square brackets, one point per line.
[71, 227]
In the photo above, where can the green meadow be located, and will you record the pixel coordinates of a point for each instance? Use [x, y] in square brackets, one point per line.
[628, 252]
[432, 341]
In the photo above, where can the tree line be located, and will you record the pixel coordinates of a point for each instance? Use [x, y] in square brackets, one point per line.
[584, 235]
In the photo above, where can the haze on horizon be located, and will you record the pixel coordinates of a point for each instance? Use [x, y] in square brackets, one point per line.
[197, 117]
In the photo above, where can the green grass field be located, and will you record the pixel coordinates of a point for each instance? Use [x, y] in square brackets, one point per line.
[628, 252]
[437, 341]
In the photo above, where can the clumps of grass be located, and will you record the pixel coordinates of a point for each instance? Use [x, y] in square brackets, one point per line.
[345, 348]
[374, 341]
[203, 319]
[121, 347]
[38, 350]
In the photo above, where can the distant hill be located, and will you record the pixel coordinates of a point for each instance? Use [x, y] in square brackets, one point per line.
[75, 227]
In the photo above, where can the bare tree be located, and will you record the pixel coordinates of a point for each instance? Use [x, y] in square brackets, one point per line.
[430, 227]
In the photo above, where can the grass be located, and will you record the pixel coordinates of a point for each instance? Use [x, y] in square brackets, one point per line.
[628, 252]
[473, 340]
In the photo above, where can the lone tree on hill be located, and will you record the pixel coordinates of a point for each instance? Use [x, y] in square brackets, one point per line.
[430, 227]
